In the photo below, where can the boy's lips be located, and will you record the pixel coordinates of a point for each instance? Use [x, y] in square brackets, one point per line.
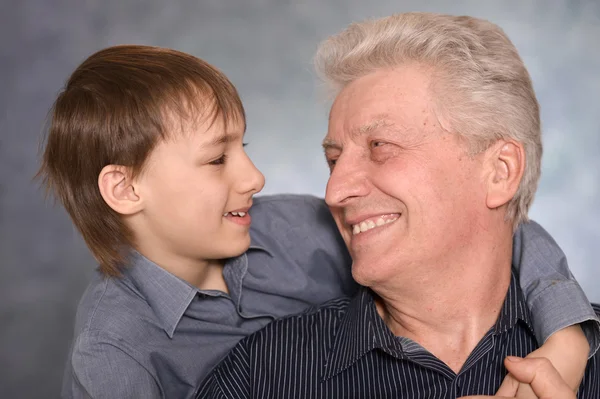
[239, 216]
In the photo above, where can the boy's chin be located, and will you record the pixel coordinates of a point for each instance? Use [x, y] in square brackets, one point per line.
[237, 247]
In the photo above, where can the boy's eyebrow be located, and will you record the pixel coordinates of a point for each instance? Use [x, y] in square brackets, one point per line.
[222, 139]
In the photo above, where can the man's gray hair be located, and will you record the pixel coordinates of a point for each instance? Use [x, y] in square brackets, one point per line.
[482, 89]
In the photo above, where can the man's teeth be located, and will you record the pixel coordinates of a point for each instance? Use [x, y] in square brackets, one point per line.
[370, 224]
[240, 214]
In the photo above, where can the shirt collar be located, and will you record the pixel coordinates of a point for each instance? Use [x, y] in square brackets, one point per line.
[168, 295]
[514, 309]
[362, 330]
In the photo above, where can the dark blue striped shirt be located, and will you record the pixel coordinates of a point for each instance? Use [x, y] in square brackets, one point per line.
[345, 350]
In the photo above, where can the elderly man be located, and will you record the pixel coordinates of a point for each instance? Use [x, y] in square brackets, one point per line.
[434, 149]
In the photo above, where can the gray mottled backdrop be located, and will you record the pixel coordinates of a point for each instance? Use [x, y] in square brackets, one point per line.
[265, 47]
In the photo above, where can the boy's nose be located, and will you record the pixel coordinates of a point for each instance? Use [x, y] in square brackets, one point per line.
[253, 180]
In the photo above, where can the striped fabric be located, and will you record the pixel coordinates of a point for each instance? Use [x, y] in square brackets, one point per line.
[345, 350]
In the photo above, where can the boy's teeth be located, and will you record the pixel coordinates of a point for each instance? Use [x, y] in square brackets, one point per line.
[370, 224]
[240, 214]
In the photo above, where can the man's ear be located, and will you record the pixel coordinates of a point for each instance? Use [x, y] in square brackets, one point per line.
[118, 190]
[506, 165]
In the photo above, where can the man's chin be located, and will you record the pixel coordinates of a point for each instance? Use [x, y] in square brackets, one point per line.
[369, 274]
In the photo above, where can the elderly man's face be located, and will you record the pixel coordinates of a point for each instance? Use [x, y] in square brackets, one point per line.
[402, 190]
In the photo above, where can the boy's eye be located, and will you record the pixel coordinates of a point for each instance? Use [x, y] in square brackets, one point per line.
[244, 144]
[219, 161]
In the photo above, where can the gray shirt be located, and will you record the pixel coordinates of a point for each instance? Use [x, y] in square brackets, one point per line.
[150, 334]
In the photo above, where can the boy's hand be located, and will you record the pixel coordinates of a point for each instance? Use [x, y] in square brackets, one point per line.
[568, 350]
[539, 374]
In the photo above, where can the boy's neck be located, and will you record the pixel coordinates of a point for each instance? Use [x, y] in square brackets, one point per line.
[203, 274]
[210, 277]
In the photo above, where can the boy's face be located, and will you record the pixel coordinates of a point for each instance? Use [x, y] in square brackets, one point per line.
[197, 188]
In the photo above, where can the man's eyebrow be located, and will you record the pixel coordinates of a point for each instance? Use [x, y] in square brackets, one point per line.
[379, 121]
[329, 143]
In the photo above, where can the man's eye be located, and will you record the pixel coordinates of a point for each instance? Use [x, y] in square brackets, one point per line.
[377, 143]
[331, 162]
[219, 161]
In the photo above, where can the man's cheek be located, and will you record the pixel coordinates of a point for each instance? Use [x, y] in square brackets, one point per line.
[342, 227]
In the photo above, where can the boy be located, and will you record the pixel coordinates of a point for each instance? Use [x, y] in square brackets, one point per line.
[145, 152]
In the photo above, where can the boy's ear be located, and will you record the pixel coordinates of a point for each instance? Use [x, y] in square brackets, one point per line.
[118, 190]
[506, 166]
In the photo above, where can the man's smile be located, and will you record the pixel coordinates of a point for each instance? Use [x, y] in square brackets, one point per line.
[369, 223]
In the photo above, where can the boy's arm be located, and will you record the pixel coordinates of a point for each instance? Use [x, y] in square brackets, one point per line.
[553, 296]
[99, 369]
[556, 301]
[567, 350]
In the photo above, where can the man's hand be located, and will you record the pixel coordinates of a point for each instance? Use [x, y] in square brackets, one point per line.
[539, 373]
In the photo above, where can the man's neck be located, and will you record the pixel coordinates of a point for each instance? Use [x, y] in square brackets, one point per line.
[448, 309]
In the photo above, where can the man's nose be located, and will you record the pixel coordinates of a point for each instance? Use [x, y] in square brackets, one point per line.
[348, 180]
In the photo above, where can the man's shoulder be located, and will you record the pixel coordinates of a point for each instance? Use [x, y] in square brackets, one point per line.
[319, 320]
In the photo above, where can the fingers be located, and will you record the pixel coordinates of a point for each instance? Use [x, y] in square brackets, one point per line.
[525, 392]
[539, 373]
[509, 386]
[545, 381]
[512, 388]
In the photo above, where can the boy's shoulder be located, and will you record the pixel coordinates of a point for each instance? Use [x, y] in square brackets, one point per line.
[110, 308]
[118, 339]
[288, 203]
[294, 215]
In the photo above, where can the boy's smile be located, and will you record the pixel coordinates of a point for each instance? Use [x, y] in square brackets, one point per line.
[240, 216]
[196, 190]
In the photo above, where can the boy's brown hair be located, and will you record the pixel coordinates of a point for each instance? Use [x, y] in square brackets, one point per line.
[116, 106]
